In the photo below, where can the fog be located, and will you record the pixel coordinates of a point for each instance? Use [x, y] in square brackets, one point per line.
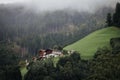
[81, 5]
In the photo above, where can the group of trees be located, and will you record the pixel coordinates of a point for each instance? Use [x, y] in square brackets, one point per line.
[8, 63]
[104, 66]
[67, 68]
[115, 19]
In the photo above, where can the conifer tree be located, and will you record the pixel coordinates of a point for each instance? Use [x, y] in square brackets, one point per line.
[109, 19]
[116, 15]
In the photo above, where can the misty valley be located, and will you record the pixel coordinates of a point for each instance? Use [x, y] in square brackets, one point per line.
[61, 43]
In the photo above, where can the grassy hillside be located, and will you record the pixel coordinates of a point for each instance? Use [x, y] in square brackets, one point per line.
[98, 39]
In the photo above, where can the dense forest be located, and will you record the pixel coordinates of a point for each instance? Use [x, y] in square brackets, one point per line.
[9, 69]
[31, 31]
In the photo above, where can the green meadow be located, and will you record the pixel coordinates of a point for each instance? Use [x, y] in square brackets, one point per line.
[91, 43]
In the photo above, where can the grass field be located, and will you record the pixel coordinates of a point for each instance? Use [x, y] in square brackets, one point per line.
[98, 39]
[23, 71]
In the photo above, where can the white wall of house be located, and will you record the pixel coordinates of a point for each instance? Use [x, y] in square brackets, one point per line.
[54, 54]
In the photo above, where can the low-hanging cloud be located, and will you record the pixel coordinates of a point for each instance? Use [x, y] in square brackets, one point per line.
[81, 5]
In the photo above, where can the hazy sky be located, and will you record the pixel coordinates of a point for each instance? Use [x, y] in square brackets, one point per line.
[82, 5]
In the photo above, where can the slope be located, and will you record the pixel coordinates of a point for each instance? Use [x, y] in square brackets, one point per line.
[98, 39]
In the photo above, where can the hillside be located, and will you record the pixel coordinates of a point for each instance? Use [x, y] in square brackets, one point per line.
[98, 39]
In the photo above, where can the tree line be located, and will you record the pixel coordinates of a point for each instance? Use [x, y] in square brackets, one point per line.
[114, 20]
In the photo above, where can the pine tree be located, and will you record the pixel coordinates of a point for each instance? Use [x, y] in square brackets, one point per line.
[109, 19]
[116, 15]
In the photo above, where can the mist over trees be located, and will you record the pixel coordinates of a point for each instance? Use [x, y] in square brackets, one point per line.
[23, 32]
[32, 31]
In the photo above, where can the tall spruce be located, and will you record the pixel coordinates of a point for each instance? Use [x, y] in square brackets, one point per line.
[116, 15]
[109, 19]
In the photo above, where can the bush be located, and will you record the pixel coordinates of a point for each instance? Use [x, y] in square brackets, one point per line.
[41, 70]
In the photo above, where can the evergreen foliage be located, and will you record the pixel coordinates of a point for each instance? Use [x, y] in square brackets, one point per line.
[115, 19]
[10, 72]
[116, 15]
[41, 70]
[109, 19]
[7, 55]
[8, 63]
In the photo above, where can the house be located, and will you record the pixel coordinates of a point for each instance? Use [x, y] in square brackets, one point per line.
[49, 53]
[42, 54]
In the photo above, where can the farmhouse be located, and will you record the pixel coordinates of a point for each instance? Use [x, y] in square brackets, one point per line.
[42, 54]
[49, 53]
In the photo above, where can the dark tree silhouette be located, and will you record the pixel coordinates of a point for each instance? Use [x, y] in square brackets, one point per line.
[109, 19]
[116, 15]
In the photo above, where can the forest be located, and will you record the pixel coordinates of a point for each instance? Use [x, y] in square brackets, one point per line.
[23, 33]
[33, 31]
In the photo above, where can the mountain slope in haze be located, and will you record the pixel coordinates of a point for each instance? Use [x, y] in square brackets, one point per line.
[98, 39]
[33, 31]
